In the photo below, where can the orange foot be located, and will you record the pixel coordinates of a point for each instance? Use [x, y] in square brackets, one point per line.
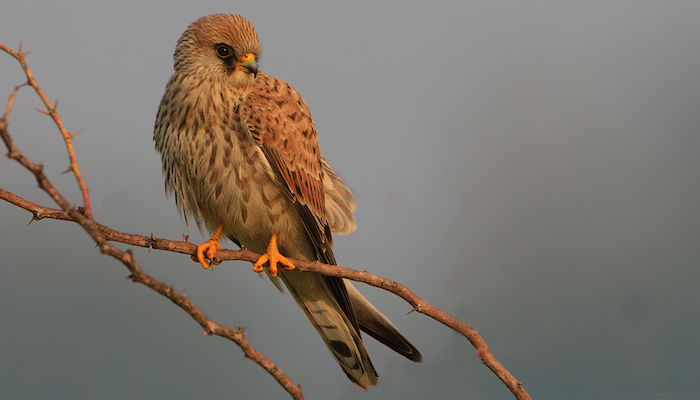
[211, 246]
[273, 255]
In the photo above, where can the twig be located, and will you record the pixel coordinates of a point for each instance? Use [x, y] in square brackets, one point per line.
[103, 235]
[51, 111]
[419, 305]
[67, 212]
[11, 100]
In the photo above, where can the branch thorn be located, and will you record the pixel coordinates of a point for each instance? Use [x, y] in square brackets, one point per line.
[34, 218]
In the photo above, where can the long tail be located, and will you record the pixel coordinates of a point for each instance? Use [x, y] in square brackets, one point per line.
[311, 291]
[375, 324]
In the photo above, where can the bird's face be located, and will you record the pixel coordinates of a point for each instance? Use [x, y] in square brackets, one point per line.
[219, 47]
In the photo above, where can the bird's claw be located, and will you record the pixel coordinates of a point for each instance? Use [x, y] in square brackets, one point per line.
[211, 246]
[206, 252]
[274, 257]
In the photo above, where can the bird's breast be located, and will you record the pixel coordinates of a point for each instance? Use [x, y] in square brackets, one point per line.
[217, 172]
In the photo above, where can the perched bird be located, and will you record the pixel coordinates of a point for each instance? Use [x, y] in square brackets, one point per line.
[240, 153]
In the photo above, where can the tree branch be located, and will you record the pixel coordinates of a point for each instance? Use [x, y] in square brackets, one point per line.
[419, 305]
[94, 229]
[103, 235]
[51, 111]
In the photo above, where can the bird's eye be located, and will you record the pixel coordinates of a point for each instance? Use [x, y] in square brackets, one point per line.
[224, 51]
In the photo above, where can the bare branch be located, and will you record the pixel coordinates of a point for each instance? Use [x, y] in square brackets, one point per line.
[11, 100]
[418, 304]
[94, 230]
[51, 111]
[104, 235]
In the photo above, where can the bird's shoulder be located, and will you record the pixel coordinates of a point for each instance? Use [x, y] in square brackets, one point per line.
[274, 107]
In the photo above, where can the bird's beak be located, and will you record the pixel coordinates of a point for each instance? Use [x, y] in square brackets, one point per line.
[247, 62]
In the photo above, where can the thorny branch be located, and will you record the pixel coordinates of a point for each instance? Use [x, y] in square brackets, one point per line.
[50, 111]
[103, 235]
[85, 220]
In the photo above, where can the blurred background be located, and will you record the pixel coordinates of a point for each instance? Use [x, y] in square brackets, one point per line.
[529, 167]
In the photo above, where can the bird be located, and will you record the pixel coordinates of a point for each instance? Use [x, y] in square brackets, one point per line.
[240, 153]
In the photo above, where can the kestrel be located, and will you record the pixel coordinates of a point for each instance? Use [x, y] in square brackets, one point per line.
[240, 153]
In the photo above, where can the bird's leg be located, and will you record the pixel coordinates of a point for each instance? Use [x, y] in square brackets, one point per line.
[273, 255]
[211, 246]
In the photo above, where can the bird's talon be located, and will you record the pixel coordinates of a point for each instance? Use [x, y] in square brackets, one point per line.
[211, 246]
[258, 266]
[212, 251]
[273, 256]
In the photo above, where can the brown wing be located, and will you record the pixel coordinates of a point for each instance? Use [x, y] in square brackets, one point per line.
[281, 124]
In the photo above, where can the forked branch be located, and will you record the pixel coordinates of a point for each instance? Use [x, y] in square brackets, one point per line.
[84, 219]
[51, 111]
[104, 235]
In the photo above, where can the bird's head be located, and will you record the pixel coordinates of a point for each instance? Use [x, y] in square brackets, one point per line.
[221, 47]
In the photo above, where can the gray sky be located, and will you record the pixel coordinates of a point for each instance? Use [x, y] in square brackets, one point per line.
[530, 167]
